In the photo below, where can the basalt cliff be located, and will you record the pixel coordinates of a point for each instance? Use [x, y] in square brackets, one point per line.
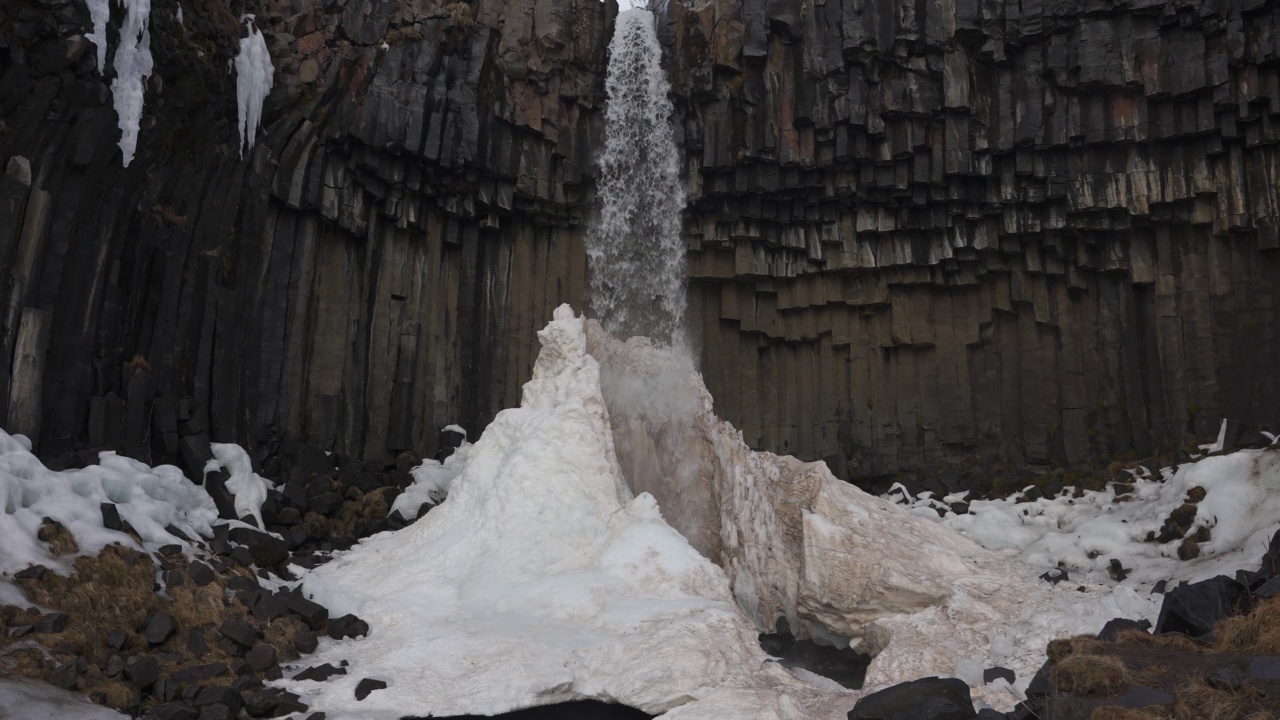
[920, 232]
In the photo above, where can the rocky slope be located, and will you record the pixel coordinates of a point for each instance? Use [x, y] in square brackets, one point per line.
[920, 232]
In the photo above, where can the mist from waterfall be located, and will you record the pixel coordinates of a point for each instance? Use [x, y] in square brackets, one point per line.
[636, 252]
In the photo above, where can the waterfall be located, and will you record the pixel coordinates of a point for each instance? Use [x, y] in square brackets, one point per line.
[637, 259]
[635, 251]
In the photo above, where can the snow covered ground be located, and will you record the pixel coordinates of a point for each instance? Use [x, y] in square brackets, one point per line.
[1241, 509]
[542, 579]
[148, 499]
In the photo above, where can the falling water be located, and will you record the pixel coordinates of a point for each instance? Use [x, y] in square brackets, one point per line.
[636, 252]
[638, 290]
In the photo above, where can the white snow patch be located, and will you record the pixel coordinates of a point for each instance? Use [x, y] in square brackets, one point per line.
[431, 481]
[133, 67]
[28, 700]
[249, 488]
[100, 14]
[1241, 508]
[178, 15]
[149, 499]
[254, 77]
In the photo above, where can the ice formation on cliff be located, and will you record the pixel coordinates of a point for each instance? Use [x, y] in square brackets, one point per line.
[133, 67]
[255, 76]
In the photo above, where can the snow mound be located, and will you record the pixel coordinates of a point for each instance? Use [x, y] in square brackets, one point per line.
[840, 565]
[542, 579]
[149, 499]
[255, 76]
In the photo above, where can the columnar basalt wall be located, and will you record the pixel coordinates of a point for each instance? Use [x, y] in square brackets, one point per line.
[921, 231]
[374, 269]
[1039, 230]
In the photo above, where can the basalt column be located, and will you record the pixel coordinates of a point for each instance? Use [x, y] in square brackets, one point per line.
[374, 269]
[1036, 231]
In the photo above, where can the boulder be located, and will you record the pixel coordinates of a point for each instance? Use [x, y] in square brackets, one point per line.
[1193, 609]
[930, 698]
[366, 686]
[158, 627]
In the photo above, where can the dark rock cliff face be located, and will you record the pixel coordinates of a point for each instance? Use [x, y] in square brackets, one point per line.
[1041, 230]
[374, 269]
[1044, 231]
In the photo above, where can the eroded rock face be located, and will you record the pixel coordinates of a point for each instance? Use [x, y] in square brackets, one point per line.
[919, 232]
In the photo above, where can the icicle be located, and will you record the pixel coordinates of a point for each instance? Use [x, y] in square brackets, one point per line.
[100, 13]
[133, 67]
[254, 77]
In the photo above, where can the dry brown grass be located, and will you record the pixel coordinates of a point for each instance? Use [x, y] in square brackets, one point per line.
[1256, 633]
[1121, 713]
[358, 513]
[1091, 675]
[114, 592]
[111, 591]
[113, 693]
[462, 15]
[57, 537]
[1198, 700]
[1164, 641]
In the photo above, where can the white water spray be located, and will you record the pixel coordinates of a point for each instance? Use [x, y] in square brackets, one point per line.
[636, 252]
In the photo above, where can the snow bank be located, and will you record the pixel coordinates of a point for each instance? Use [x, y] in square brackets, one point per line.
[254, 77]
[541, 579]
[29, 700]
[1241, 508]
[149, 499]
